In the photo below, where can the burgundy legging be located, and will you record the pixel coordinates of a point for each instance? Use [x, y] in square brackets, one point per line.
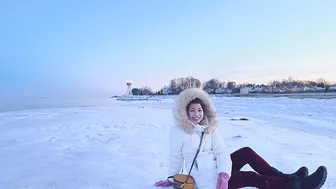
[245, 156]
[261, 178]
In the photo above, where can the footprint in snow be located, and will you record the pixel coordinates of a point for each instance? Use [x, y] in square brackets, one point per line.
[52, 139]
[49, 139]
[237, 137]
[99, 134]
[241, 119]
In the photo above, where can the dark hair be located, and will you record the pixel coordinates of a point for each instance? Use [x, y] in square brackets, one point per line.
[198, 101]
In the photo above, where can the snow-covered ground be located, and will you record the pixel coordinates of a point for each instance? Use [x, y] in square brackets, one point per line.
[124, 144]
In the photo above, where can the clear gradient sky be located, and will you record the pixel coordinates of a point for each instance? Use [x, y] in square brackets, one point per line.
[92, 47]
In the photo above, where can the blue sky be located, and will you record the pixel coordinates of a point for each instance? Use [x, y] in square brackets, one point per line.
[93, 47]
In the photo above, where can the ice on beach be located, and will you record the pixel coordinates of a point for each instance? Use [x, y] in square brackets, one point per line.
[124, 144]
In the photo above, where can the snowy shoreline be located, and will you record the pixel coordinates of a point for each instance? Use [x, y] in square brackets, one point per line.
[124, 144]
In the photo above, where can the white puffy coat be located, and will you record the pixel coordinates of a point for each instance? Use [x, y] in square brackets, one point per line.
[184, 140]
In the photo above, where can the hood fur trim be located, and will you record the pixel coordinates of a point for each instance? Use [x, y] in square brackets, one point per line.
[180, 113]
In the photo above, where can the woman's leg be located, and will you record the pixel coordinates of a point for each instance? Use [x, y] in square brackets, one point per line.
[240, 179]
[245, 156]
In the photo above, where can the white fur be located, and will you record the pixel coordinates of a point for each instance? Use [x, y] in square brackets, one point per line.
[180, 113]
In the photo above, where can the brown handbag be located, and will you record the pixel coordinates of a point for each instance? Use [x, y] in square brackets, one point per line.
[182, 181]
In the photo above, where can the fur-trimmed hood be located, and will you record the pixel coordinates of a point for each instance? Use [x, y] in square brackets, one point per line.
[180, 112]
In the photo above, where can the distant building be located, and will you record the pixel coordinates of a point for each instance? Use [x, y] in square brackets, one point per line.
[260, 88]
[165, 91]
[307, 88]
[245, 90]
[332, 88]
[220, 90]
[320, 88]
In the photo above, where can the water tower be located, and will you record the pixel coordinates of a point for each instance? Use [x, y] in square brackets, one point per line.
[129, 87]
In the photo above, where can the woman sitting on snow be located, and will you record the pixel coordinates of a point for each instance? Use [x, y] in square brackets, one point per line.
[214, 168]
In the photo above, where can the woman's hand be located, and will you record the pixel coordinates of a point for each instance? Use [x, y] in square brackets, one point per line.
[223, 181]
[163, 183]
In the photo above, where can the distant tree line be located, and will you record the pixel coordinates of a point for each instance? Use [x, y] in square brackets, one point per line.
[291, 83]
[215, 84]
[142, 91]
[177, 85]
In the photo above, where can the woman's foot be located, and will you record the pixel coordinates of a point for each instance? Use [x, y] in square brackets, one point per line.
[313, 181]
[301, 173]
